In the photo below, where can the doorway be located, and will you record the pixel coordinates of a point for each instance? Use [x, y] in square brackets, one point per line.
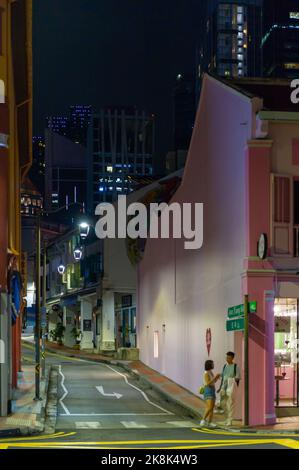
[286, 352]
[125, 322]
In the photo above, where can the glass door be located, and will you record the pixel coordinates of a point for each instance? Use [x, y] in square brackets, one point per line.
[286, 352]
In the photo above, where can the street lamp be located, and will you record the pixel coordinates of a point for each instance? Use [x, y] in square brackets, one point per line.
[77, 253]
[61, 268]
[84, 228]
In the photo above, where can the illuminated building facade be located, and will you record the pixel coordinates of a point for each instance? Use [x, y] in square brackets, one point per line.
[15, 158]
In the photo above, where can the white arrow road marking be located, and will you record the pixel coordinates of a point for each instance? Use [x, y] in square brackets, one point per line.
[65, 393]
[132, 424]
[114, 395]
[142, 393]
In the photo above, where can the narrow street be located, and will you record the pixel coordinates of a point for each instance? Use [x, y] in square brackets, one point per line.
[102, 407]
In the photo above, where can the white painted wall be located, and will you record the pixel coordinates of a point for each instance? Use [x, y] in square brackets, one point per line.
[190, 291]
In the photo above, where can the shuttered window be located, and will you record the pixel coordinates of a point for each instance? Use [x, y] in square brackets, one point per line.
[282, 235]
[282, 199]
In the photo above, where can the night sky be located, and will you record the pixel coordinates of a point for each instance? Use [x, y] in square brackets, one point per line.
[112, 52]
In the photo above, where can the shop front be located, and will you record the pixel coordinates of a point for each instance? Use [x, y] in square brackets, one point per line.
[286, 353]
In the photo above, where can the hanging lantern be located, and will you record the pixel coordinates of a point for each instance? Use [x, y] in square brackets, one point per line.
[61, 268]
[84, 228]
[77, 253]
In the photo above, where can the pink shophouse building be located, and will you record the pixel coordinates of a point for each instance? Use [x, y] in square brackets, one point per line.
[243, 165]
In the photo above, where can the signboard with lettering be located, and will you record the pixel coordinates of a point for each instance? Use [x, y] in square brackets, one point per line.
[238, 310]
[236, 324]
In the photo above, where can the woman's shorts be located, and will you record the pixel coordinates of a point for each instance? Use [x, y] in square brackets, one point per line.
[209, 393]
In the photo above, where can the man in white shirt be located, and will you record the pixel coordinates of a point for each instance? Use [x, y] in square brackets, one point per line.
[231, 376]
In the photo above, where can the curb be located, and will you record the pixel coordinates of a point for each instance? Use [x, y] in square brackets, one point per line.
[196, 414]
[16, 432]
[193, 413]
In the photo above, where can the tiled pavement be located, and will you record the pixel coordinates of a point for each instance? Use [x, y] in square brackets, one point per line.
[26, 414]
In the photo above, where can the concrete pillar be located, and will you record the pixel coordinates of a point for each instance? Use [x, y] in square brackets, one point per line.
[108, 322]
[4, 357]
[86, 324]
[69, 340]
[4, 316]
[270, 415]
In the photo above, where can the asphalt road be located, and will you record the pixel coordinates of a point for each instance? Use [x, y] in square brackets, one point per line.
[102, 407]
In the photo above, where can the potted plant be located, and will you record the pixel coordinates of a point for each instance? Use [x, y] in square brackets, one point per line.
[58, 333]
[77, 335]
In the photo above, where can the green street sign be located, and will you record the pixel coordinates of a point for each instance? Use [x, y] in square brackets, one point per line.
[253, 306]
[238, 310]
[235, 325]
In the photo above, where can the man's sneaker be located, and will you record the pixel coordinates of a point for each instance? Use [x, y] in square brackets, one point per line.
[212, 425]
[228, 422]
[203, 423]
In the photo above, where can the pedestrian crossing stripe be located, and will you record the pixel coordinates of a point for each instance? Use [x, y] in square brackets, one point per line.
[132, 425]
[88, 425]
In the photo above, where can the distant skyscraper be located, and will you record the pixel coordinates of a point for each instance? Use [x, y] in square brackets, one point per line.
[65, 171]
[280, 43]
[231, 38]
[120, 144]
[184, 110]
[184, 106]
[37, 170]
[58, 124]
[74, 126]
[80, 119]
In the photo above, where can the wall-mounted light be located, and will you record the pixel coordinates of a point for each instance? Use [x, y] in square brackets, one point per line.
[84, 228]
[61, 268]
[77, 253]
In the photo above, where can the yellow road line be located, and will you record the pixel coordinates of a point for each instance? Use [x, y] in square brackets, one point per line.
[38, 438]
[54, 354]
[158, 442]
[227, 433]
[195, 445]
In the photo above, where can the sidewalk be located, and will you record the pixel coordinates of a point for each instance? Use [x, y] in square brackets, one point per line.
[27, 416]
[190, 403]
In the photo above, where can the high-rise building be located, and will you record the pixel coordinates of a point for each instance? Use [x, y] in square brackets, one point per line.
[73, 125]
[58, 124]
[280, 42]
[65, 171]
[80, 119]
[184, 105]
[184, 110]
[232, 34]
[120, 144]
[37, 170]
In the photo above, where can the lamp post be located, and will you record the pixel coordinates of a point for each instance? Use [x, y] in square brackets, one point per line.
[37, 311]
[84, 228]
[43, 326]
